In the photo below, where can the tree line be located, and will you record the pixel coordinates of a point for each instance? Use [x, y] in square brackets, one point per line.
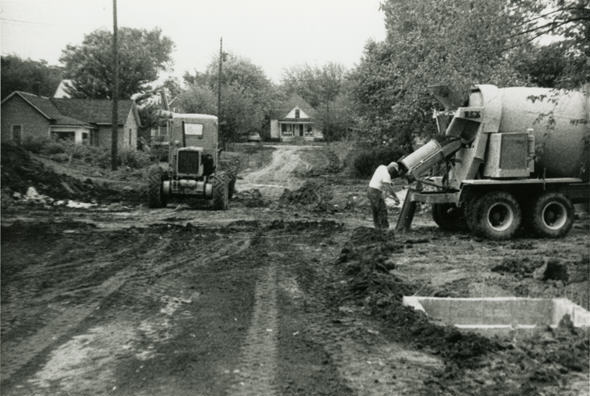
[384, 100]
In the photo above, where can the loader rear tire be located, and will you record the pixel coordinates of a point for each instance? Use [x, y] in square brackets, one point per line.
[155, 196]
[498, 215]
[448, 217]
[220, 192]
[551, 216]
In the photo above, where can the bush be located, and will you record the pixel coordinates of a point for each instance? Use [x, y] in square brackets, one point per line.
[53, 148]
[367, 160]
[35, 144]
[60, 157]
[134, 159]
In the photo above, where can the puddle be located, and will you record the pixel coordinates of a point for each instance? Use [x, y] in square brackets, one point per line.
[500, 315]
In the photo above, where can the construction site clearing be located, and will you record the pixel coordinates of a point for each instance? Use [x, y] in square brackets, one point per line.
[290, 291]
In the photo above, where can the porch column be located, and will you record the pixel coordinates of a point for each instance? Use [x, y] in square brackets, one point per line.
[78, 136]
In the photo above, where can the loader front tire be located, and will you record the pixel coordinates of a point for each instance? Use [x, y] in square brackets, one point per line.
[155, 196]
[220, 192]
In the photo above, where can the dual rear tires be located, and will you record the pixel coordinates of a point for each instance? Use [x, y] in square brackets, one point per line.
[499, 215]
[551, 215]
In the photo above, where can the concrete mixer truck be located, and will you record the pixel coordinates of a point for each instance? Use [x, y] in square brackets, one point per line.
[504, 159]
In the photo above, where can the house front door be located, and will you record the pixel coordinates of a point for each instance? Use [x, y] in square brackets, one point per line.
[300, 129]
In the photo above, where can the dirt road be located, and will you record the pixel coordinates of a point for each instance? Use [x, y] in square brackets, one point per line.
[286, 161]
[267, 301]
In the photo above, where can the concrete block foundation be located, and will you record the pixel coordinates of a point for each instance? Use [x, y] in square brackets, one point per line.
[500, 315]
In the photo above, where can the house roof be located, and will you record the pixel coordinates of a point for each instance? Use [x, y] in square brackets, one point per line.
[64, 111]
[47, 109]
[95, 111]
[294, 101]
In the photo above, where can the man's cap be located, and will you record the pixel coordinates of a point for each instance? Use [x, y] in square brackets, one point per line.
[393, 165]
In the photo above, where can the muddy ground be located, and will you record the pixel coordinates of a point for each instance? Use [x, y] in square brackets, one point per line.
[287, 292]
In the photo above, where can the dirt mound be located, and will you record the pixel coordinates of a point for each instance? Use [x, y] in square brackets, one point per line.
[538, 269]
[20, 171]
[519, 267]
[250, 198]
[366, 261]
[311, 194]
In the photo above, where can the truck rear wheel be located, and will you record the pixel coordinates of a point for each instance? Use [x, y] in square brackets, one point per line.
[220, 192]
[155, 197]
[552, 215]
[472, 214]
[499, 215]
[448, 217]
[471, 210]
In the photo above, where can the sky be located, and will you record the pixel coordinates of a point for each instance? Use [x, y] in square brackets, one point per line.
[273, 34]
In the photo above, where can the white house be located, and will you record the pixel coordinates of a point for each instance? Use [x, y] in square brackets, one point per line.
[294, 120]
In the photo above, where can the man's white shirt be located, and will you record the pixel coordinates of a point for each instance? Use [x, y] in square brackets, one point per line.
[380, 178]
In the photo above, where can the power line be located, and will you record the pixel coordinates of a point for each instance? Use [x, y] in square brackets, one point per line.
[25, 21]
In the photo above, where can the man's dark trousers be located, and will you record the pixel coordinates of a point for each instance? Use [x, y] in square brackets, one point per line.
[379, 209]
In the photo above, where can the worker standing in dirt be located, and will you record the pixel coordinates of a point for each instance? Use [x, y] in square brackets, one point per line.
[379, 187]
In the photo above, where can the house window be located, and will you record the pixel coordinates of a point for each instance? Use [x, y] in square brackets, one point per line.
[85, 138]
[297, 114]
[129, 136]
[94, 138]
[308, 130]
[17, 131]
[287, 129]
[66, 136]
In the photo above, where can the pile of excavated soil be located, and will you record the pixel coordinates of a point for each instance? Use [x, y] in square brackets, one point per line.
[20, 171]
[250, 198]
[311, 194]
[366, 260]
[472, 363]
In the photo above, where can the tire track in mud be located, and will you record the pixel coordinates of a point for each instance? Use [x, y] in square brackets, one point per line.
[257, 364]
[30, 347]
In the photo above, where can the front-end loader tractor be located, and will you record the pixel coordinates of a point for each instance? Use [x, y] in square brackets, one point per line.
[193, 173]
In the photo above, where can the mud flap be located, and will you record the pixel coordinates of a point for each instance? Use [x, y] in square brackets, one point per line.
[406, 215]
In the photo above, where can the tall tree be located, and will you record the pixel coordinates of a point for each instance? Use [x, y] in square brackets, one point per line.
[29, 75]
[456, 42]
[318, 85]
[143, 54]
[247, 96]
[323, 87]
[563, 63]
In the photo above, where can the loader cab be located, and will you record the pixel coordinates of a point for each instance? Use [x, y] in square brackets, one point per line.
[193, 145]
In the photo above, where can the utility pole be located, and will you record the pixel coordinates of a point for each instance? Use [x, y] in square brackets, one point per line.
[219, 87]
[115, 92]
